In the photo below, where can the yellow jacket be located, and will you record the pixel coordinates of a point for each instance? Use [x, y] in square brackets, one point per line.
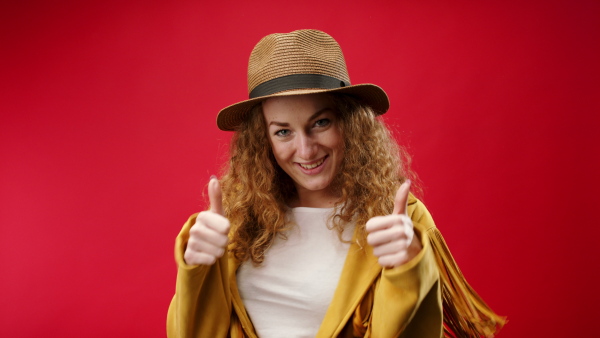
[369, 301]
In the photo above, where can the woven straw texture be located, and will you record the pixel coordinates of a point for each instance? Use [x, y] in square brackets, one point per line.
[299, 52]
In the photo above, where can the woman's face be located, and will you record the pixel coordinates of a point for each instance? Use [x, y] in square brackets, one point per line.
[306, 141]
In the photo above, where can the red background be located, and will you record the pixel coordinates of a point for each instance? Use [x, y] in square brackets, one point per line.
[107, 140]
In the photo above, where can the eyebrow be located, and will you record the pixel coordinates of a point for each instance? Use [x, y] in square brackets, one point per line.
[312, 117]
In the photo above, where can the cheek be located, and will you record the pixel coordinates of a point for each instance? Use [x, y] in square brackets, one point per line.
[339, 148]
[337, 142]
[280, 151]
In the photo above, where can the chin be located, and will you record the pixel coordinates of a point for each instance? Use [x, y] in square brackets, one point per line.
[316, 186]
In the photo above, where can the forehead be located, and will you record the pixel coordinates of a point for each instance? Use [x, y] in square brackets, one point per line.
[295, 106]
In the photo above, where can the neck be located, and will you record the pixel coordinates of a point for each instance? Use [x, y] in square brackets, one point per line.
[314, 199]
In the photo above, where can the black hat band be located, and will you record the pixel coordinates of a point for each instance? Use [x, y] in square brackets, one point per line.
[297, 81]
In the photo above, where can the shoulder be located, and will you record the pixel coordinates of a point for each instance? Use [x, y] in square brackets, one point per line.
[418, 213]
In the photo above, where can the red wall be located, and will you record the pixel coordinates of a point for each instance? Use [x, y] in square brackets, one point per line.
[107, 139]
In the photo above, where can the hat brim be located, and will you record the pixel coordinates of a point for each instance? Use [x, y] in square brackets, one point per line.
[229, 118]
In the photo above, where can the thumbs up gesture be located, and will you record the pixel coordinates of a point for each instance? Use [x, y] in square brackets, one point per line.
[392, 237]
[208, 236]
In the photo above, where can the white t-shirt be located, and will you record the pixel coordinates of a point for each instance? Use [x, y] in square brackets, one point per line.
[288, 295]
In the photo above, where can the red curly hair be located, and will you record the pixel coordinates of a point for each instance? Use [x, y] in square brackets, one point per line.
[255, 189]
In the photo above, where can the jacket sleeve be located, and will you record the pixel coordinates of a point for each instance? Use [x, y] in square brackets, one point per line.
[408, 299]
[201, 306]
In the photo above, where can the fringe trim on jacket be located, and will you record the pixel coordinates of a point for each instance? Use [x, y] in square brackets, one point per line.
[465, 313]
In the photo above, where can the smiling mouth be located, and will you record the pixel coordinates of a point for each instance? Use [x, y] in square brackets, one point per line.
[313, 165]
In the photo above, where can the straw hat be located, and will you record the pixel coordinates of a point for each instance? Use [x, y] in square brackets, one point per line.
[300, 62]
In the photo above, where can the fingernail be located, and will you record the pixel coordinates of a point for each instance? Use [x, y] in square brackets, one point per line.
[409, 181]
[213, 176]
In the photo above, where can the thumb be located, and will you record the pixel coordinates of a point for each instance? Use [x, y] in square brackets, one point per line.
[215, 196]
[401, 199]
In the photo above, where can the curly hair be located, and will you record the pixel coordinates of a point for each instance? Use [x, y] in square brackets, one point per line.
[255, 189]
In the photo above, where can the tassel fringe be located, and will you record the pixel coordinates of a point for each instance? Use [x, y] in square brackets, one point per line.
[465, 313]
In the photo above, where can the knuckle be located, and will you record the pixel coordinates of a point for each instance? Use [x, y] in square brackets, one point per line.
[370, 239]
[191, 245]
[385, 261]
[396, 233]
[196, 230]
[209, 259]
[198, 233]
[222, 241]
[226, 225]
[191, 258]
[201, 216]
[399, 246]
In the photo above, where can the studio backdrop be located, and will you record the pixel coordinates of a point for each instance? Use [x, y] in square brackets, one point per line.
[108, 139]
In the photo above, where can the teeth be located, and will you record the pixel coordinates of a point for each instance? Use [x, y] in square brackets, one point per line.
[312, 166]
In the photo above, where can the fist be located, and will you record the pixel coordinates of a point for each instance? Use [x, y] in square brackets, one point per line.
[392, 237]
[209, 235]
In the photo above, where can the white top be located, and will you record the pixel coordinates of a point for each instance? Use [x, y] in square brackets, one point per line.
[288, 295]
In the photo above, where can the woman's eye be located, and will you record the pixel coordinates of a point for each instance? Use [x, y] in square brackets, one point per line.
[282, 132]
[322, 123]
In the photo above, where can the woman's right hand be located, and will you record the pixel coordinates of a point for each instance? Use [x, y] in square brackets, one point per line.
[209, 235]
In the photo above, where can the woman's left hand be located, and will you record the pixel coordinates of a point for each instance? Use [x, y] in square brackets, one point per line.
[392, 237]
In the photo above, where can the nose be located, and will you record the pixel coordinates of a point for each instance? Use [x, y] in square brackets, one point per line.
[306, 147]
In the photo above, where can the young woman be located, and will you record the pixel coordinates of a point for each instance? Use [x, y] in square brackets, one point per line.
[312, 230]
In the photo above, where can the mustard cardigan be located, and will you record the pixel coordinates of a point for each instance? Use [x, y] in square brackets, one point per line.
[406, 301]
